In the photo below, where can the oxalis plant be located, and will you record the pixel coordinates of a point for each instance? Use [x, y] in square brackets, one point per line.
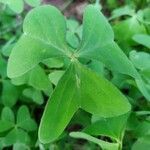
[44, 38]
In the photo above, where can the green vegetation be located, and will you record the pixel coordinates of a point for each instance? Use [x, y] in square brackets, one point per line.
[72, 84]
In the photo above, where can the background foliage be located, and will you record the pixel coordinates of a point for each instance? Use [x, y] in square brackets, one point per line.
[22, 99]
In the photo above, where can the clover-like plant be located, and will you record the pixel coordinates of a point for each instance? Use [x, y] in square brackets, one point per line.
[44, 37]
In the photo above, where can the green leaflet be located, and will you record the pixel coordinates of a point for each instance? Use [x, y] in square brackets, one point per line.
[44, 37]
[60, 108]
[7, 119]
[79, 88]
[24, 120]
[55, 76]
[102, 48]
[98, 96]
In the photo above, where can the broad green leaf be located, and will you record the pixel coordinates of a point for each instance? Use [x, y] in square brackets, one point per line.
[98, 96]
[44, 37]
[85, 90]
[24, 120]
[102, 48]
[60, 108]
[113, 127]
[35, 78]
[101, 143]
[142, 39]
[33, 3]
[95, 22]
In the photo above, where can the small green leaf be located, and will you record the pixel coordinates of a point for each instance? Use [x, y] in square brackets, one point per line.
[24, 120]
[55, 76]
[7, 115]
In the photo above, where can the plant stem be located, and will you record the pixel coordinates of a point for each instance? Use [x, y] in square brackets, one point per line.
[120, 146]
